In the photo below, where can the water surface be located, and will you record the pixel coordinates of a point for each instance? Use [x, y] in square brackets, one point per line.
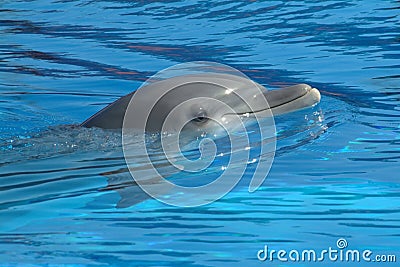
[335, 174]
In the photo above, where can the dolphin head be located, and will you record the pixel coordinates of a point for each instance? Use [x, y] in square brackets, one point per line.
[211, 104]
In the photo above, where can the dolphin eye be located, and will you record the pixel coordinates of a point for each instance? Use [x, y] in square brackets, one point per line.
[200, 117]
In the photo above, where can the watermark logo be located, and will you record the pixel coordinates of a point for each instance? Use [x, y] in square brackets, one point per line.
[340, 253]
[190, 108]
[341, 243]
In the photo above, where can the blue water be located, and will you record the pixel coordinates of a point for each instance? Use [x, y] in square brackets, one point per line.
[336, 170]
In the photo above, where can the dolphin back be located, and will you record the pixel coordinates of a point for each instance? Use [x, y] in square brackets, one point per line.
[110, 117]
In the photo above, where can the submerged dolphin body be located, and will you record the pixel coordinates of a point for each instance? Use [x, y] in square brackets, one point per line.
[280, 101]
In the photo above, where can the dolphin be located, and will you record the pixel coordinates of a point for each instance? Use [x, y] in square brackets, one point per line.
[195, 90]
[279, 101]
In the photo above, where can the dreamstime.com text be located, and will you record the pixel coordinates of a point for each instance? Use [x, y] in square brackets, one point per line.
[337, 254]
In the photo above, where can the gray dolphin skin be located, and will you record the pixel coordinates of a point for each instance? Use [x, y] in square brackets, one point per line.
[280, 101]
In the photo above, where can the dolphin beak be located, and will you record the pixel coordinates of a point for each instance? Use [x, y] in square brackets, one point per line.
[292, 98]
[286, 100]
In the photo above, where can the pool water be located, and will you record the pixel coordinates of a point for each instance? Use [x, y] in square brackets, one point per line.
[336, 170]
